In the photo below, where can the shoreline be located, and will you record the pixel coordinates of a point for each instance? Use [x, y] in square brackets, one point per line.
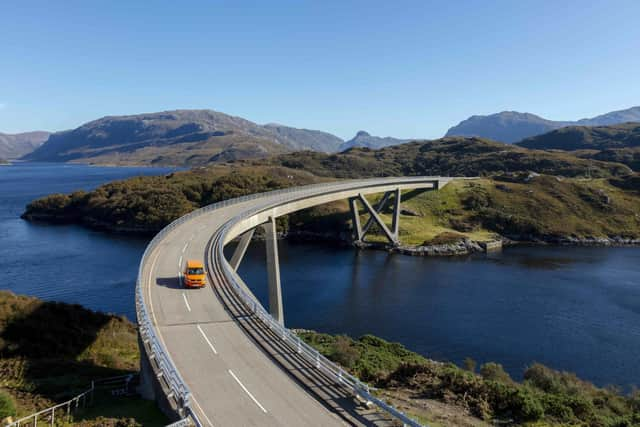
[460, 248]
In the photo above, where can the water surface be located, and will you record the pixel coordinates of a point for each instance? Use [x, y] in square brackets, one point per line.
[65, 262]
[576, 309]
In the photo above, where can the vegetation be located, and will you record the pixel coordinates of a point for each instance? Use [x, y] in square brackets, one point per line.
[587, 138]
[452, 156]
[50, 352]
[545, 397]
[568, 201]
[617, 143]
[146, 204]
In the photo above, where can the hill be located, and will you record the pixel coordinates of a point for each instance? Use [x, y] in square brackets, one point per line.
[453, 156]
[625, 135]
[13, 146]
[616, 143]
[364, 139]
[181, 137]
[514, 202]
[512, 126]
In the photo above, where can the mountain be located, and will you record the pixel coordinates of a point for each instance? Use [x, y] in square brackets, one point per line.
[13, 146]
[180, 137]
[569, 138]
[512, 126]
[305, 139]
[363, 139]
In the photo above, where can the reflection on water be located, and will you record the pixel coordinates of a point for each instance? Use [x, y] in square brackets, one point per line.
[575, 309]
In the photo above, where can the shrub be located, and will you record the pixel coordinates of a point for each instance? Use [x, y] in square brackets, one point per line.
[495, 372]
[470, 364]
[344, 352]
[7, 405]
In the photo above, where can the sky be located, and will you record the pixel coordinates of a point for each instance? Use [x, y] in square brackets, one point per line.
[409, 69]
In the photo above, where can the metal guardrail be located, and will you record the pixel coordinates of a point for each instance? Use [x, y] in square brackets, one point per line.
[172, 378]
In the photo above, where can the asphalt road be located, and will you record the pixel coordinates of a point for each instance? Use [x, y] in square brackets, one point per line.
[237, 372]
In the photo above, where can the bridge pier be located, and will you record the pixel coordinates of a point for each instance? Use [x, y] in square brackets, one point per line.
[273, 271]
[240, 250]
[360, 232]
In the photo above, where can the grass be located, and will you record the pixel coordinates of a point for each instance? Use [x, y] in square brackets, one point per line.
[50, 352]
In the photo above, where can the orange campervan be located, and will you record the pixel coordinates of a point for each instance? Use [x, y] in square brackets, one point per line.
[194, 276]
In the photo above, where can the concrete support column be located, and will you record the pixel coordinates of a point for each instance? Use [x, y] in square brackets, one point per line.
[240, 250]
[273, 271]
[146, 387]
[374, 215]
[395, 225]
[355, 219]
[378, 208]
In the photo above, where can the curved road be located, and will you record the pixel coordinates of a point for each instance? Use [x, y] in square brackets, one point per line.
[237, 371]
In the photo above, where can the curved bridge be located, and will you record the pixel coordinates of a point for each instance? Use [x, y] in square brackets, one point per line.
[214, 356]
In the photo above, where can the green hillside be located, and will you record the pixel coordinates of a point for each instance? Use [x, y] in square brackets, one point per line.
[50, 352]
[562, 203]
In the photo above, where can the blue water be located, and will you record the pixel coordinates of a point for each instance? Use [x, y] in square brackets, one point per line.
[65, 262]
[576, 309]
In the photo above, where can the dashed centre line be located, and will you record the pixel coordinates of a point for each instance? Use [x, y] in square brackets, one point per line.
[186, 302]
[207, 339]
[247, 391]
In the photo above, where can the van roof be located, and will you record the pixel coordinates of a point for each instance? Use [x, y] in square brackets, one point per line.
[192, 263]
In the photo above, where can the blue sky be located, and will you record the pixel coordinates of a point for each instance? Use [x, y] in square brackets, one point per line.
[400, 68]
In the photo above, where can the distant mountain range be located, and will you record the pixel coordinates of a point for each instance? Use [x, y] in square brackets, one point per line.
[13, 146]
[189, 137]
[365, 140]
[512, 126]
[198, 137]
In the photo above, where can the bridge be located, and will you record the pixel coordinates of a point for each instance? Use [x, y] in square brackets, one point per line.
[215, 356]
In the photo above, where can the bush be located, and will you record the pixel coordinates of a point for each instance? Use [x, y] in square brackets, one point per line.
[7, 405]
[495, 372]
[344, 352]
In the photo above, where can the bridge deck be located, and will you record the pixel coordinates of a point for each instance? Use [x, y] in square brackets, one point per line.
[223, 353]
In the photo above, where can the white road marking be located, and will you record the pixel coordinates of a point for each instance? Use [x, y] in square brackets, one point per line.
[185, 301]
[185, 247]
[247, 391]
[180, 264]
[202, 412]
[153, 314]
[207, 340]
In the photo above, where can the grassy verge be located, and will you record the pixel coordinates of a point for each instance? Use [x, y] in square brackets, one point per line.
[50, 352]
[442, 392]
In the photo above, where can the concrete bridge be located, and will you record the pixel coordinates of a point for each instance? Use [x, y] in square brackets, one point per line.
[214, 356]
